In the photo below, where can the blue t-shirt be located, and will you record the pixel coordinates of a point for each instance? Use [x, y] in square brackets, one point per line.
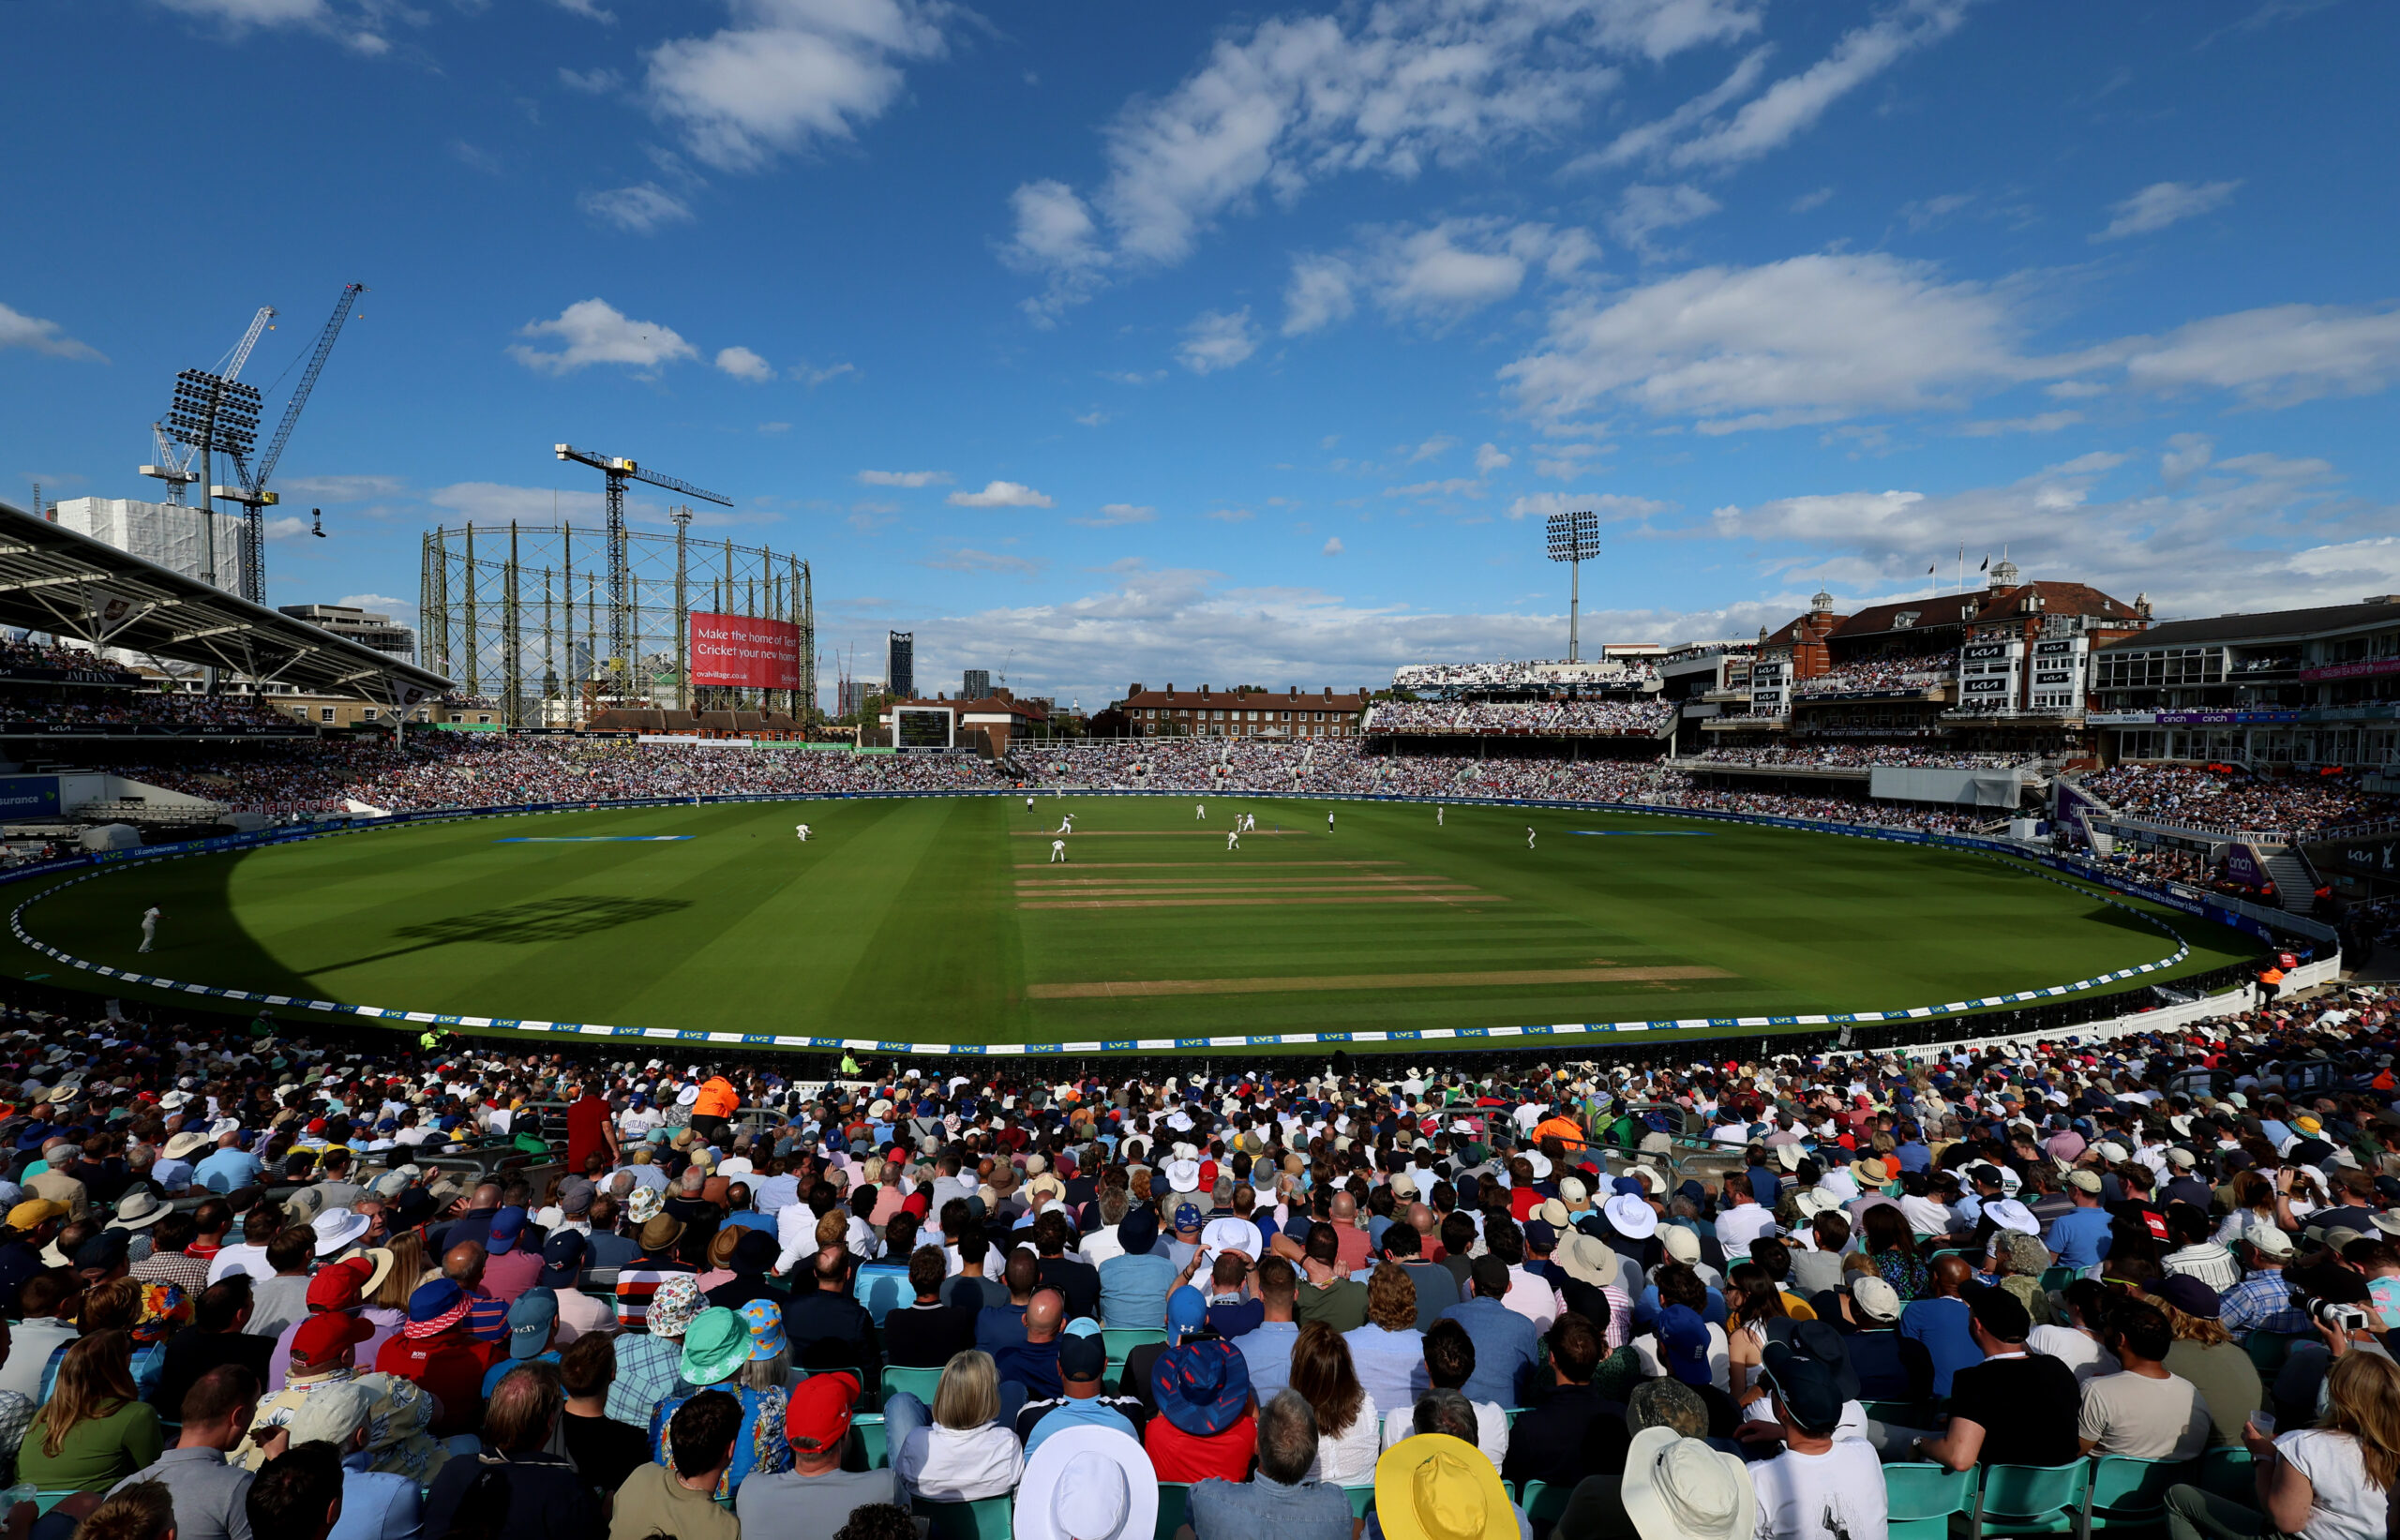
[1939, 1323]
[2080, 1237]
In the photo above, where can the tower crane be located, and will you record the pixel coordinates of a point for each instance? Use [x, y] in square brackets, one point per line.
[251, 492]
[620, 471]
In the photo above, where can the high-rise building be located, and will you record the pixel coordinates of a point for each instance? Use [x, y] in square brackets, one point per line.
[900, 667]
[850, 695]
[200, 545]
[978, 685]
[359, 625]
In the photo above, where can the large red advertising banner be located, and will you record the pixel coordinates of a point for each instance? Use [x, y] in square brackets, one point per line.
[739, 651]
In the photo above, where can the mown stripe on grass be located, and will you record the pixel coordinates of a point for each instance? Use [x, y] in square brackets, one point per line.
[1129, 987]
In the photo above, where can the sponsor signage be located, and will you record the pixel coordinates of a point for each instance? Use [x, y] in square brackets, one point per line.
[1987, 686]
[29, 797]
[33, 675]
[737, 650]
[2366, 669]
[2378, 857]
[2053, 650]
[2219, 719]
[1987, 650]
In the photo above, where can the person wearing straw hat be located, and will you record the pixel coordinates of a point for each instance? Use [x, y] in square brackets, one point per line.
[1089, 1483]
[374, 1503]
[324, 1354]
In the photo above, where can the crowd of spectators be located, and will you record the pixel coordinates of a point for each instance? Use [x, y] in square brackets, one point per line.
[67, 709]
[31, 655]
[241, 1300]
[2193, 795]
[1645, 717]
[1864, 755]
[1535, 675]
[1915, 671]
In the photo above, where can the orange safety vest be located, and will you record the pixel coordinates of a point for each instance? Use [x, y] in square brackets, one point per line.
[717, 1099]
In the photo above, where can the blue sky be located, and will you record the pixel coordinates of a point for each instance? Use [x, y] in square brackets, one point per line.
[1114, 342]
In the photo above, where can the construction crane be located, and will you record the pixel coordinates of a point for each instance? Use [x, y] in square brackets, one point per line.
[191, 416]
[251, 492]
[620, 471]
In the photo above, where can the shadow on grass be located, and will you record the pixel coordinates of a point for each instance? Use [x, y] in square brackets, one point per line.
[536, 923]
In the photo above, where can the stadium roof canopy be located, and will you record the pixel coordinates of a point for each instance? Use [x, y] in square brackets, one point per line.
[2267, 626]
[56, 581]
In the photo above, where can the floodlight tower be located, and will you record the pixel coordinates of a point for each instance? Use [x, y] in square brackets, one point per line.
[1574, 539]
[211, 415]
[620, 471]
[251, 492]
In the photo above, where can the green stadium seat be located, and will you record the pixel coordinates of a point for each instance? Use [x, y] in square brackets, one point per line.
[2268, 1350]
[44, 1501]
[985, 1519]
[2031, 1499]
[873, 1439]
[2230, 1471]
[1543, 1501]
[920, 1383]
[1173, 1507]
[2054, 1278]
[1122, 1340]
[1922, 1496]
[2127, 1493]
[1361, 1499]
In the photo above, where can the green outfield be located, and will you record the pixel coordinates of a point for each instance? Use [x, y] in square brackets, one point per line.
[945, 921]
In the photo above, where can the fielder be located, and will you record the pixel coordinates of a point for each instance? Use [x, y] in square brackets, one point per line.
[149, 926]
[801, 830]
[1328, 820]
[1199, 812]
[1529, 836]
[1437, 815]
[1232, 838]
[1058, 850]
[1029, 804]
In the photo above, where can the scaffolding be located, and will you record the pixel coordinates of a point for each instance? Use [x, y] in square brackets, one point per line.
[520, 613]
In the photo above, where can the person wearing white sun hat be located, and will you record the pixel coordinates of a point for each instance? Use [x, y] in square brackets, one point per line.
[1088, 1484]
[1679, 1488]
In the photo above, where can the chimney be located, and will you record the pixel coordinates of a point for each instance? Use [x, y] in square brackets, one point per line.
[1137, 688]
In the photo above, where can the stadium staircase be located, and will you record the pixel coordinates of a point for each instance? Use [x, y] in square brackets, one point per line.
[2295, 880]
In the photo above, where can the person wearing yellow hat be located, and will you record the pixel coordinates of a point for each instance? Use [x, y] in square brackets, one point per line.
[32, 1225]
[1439, 1486]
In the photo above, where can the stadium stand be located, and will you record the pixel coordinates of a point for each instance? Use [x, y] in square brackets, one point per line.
[2185, 1232]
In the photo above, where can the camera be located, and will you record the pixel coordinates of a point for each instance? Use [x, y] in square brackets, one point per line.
[2342, 1318]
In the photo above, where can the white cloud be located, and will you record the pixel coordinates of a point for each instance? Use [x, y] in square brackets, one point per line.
[1318, 295]
[1391, 88]
[588, 10]
[1001, 494]
[1454, 486]
[1232, 515]
[242, 13]
[343, 488]
[644, 209]
[2163, 204]
[967, 560]
[596, 82]
[1216, 340]
[814, 377]
[1055, 236]
[2041, 421]
[1488, 458]
[287, 527]
[1332, 546]
[1440, 444]
[2275, 356]
[17, 329]
[496, 503]
[1447, 270]
[402, 610]
[1611, 506]
[1807, 201]
[2185, 456]
[1643, 211]
[596, 332]
[1111, 514]
[1698, 134]
[790, 72]
[743, 363]
[904, 478]
[1808, 339]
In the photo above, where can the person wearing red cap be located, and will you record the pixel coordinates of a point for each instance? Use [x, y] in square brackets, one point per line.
[815, 1498]
[342, 1286]
[324, 1353]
